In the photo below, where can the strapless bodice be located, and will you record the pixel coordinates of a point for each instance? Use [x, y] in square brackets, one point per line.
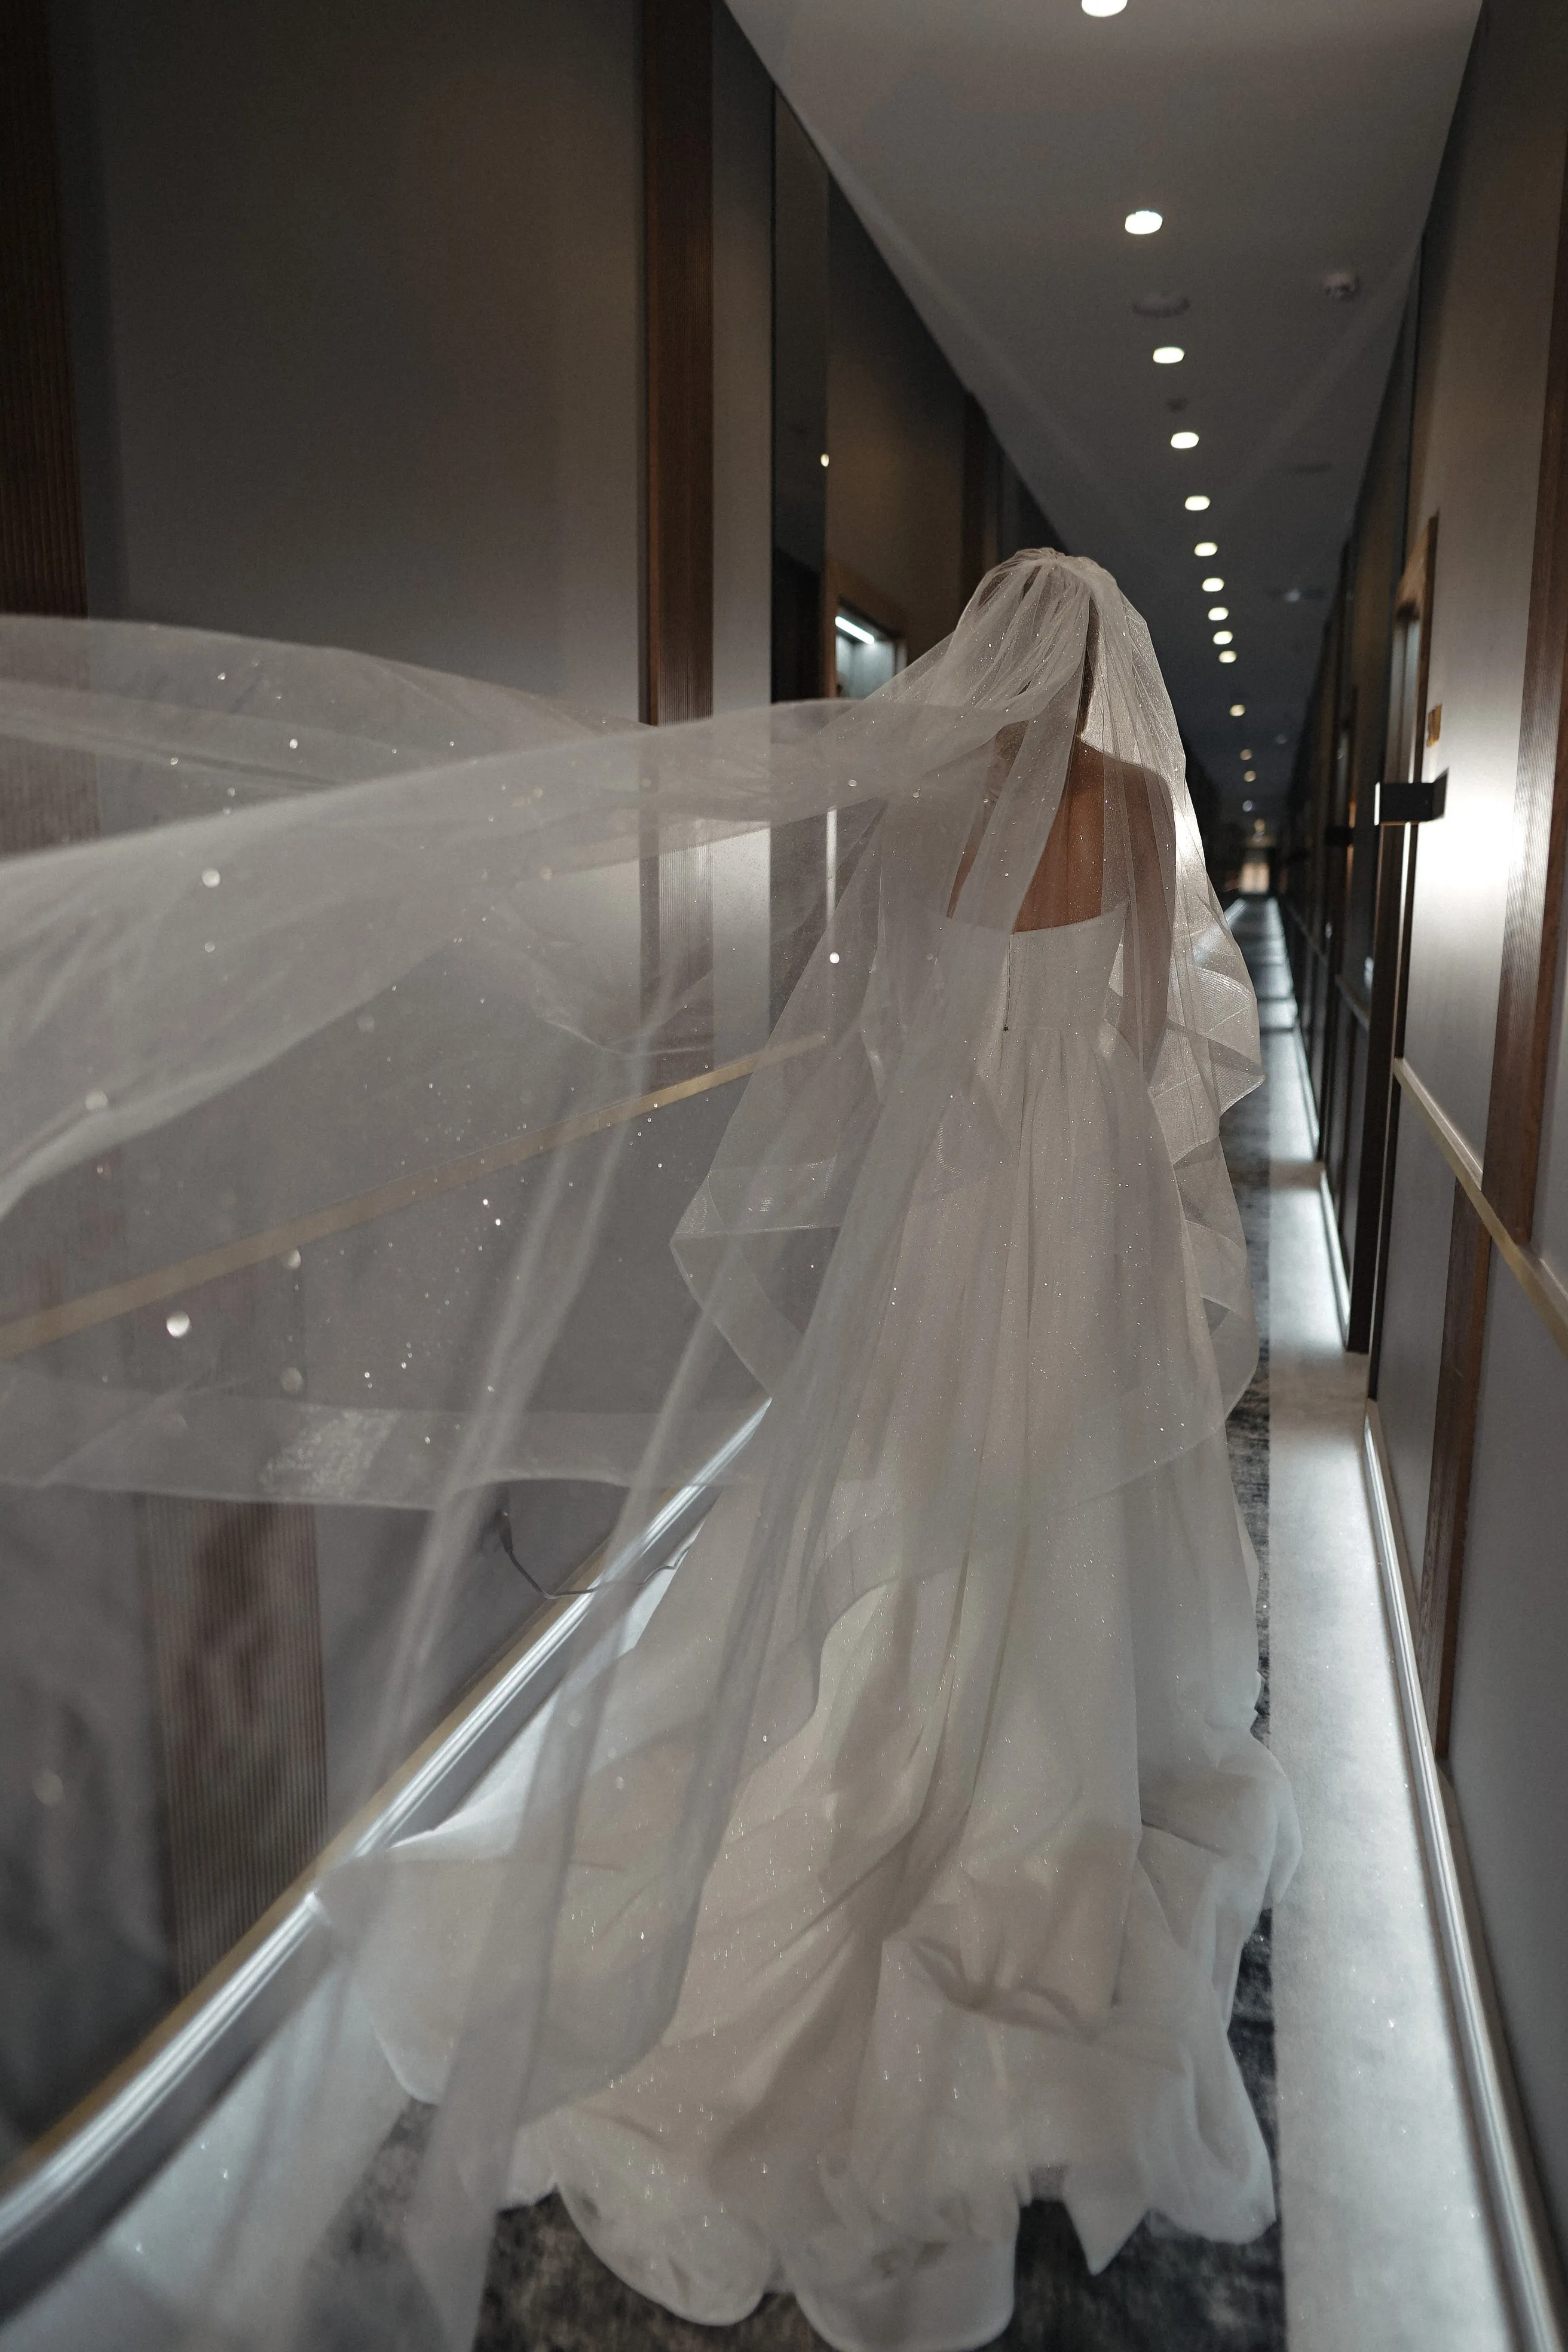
[1057, 978]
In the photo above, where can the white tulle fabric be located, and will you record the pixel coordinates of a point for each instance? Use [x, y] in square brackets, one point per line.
[898, 1871]
[973, 1932]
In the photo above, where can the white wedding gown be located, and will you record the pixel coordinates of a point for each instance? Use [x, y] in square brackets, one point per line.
[973, 1933]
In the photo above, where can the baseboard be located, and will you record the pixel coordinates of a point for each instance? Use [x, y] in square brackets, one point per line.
[1526, 2254]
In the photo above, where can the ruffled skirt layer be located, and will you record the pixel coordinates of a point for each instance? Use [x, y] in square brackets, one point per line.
[972, 1934]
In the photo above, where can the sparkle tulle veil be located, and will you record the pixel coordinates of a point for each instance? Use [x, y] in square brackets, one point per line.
[346, 1050]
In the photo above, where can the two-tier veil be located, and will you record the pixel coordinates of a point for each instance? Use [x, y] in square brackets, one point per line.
[363, 1055]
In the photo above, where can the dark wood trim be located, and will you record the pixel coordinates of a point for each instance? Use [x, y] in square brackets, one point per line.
[1390, 953]
[43, 555]
[1453, 1453]
[678, 135]
[1335, 869]
[1382, 1022]
[1360, 1013]
[980, 526]
[1516, 1104]
[1391, 1149]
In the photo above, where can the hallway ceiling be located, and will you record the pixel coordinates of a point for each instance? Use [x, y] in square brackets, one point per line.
[993, 148]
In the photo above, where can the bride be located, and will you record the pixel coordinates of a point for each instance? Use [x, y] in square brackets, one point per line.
[972, 1930]
[887, 1864]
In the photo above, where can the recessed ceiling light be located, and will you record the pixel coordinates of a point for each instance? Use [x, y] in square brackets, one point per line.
[825, 457]
[1247, 808]
[1250, 776]
[1184, 440]
[1143, 224]
[1197, 503]
[1103, 7]
[1222, 637]
[1206, 547]
[1168, 354]
[1213, 586]
[1219, 611]
[1227, 657]
[1238, 710]
[1244, 755]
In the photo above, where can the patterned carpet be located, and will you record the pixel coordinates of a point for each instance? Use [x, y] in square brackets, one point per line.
[1165, 2292]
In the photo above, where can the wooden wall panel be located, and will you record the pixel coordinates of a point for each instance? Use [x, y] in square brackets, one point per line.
[43, 561]
[1404, 747]
[742, 368]
[1517, 1098]
[678, 131]
[895, 436]
[1517, 1103]
[982, 496]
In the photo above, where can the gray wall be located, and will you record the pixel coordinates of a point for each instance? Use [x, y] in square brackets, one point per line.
[373, 332]
[895, 435]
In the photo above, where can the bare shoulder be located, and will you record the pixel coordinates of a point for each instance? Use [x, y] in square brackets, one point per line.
[1120, 781]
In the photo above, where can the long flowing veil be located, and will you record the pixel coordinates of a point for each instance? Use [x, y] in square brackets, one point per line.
[363, 1056]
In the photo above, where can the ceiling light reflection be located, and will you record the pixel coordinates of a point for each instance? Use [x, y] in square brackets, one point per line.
[1213, 586]
[1197, 503]
[1169, 354]
[1143, 224]
[1227, 657]
[1103, 7]
[1206, 547]
[1184, 440]
[1222, 637]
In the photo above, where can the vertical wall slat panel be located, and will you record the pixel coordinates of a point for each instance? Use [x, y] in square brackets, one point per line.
[678, 129]
[43, 561]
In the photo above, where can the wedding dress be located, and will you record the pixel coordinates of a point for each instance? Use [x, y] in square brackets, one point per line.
[895, 1869]
[973, 1933]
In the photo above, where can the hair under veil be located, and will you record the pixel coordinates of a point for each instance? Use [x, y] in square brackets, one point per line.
[354, 1052]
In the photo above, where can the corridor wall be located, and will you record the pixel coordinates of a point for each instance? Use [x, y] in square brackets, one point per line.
[366, 364]
[1469, 1363]
[895, 436]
